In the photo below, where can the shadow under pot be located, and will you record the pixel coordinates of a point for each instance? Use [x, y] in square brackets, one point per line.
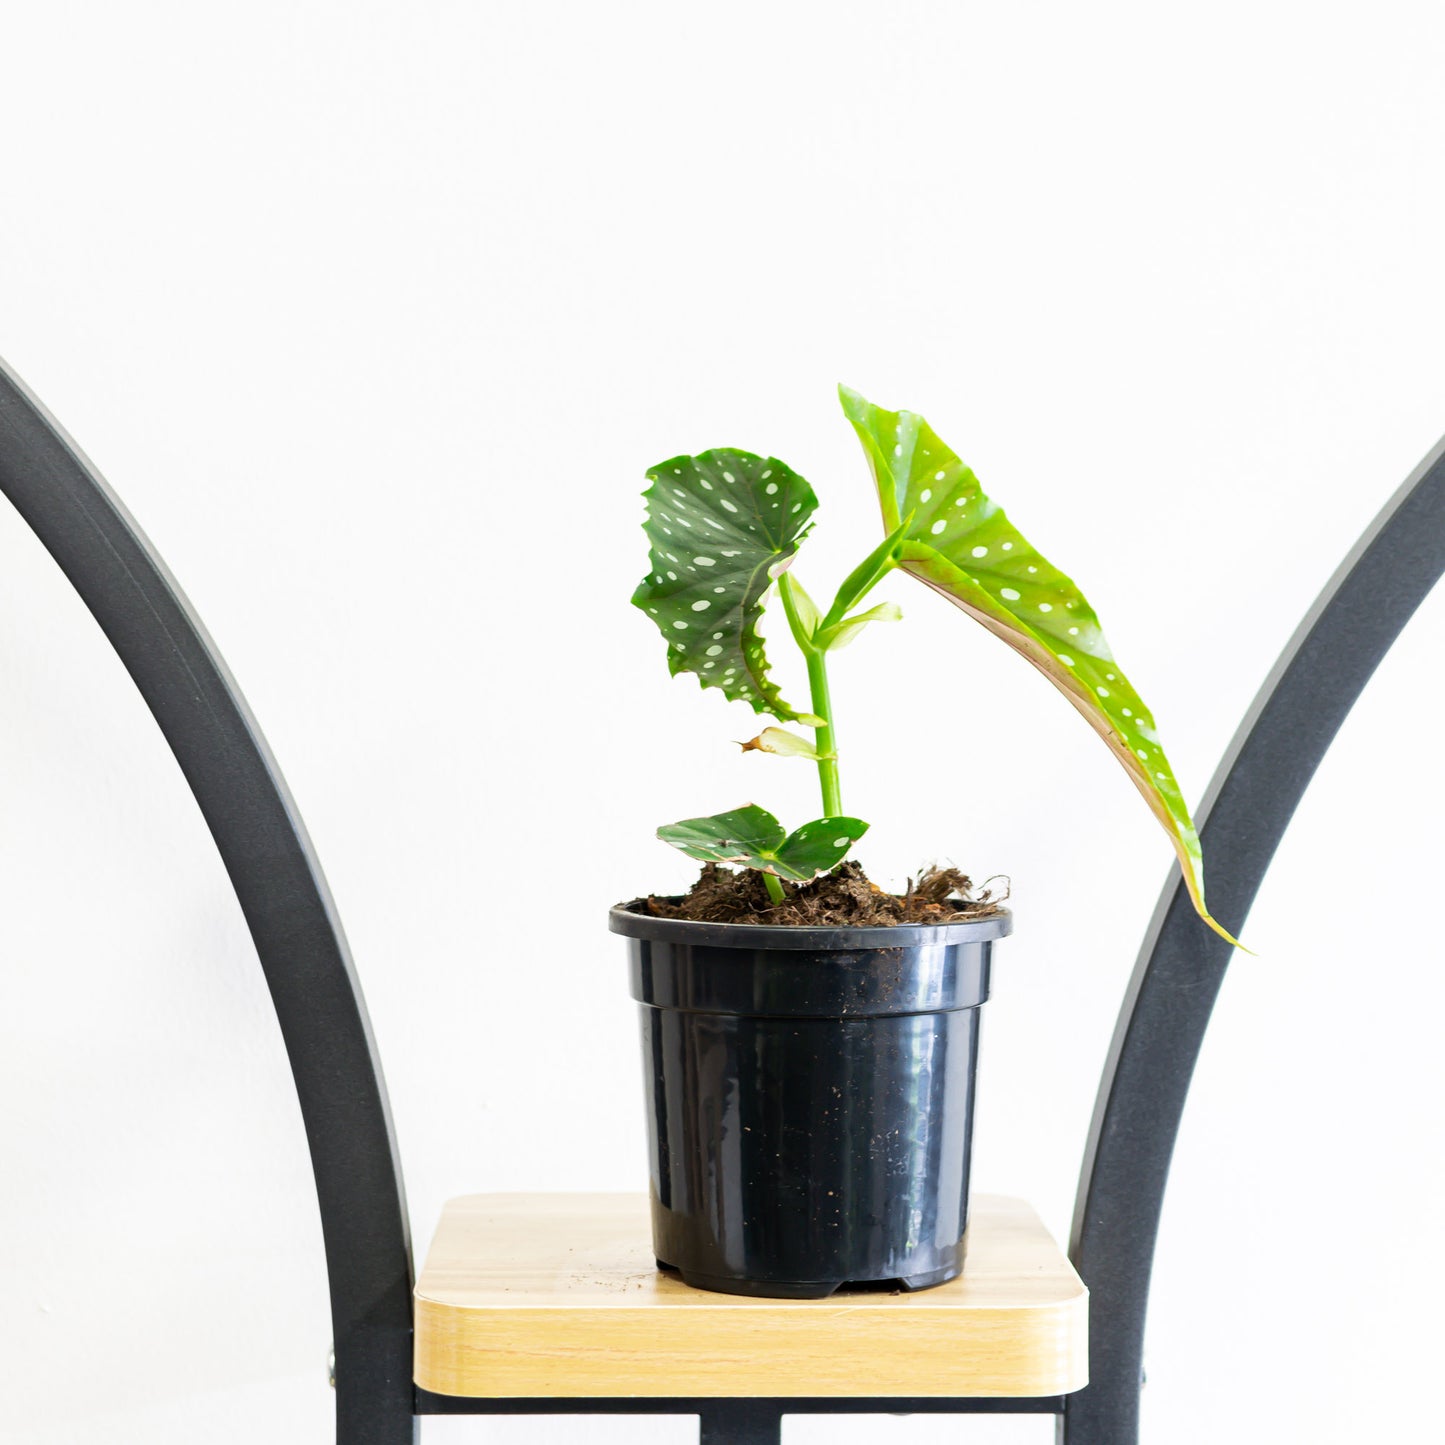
[810, 1101]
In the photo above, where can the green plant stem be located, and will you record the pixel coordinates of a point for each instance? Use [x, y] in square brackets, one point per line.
[827, 753]
[774, 885]
[821, 702]
[865, 577]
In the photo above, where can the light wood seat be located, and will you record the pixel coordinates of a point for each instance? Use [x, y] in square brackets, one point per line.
[531, 1295]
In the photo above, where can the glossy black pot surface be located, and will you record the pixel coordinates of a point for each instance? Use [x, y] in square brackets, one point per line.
[811, 1099]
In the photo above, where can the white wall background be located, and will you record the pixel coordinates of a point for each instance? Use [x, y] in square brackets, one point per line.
[375, 314]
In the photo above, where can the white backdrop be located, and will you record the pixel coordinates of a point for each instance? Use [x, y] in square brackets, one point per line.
[375, 315]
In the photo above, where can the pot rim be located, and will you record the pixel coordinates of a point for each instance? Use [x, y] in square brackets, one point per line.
[622, 919]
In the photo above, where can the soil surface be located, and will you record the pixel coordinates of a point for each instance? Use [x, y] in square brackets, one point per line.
[842, 898]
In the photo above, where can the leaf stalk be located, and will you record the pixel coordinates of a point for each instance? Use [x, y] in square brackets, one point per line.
[827, 753]
[866, 576]
[822, 703]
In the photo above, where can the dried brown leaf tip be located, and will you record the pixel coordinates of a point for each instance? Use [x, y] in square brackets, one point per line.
[782, 743]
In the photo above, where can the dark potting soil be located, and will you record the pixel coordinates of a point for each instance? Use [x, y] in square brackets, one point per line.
[842, 898]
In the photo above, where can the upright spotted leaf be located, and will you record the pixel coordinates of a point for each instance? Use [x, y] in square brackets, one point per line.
[963, 546]
[722, 526]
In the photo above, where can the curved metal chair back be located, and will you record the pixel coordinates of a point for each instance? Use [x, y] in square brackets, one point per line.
[1181, 966]
[282, 893]
[323, 1020]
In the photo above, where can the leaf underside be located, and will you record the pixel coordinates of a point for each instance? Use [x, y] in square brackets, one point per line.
[753, 837]
[721, 526]
[962, 545]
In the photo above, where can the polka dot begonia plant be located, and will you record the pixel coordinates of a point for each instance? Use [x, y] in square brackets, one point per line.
[724, 529]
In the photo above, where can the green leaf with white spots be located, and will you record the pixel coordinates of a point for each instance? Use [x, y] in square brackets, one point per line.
[962, 545]
[722, 527]
[738, 836]
[751, 836]
[818, 847]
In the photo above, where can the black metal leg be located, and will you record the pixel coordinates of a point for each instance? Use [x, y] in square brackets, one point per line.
[742, 1422]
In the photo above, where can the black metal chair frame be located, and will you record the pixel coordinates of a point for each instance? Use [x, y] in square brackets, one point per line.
[319, 1003]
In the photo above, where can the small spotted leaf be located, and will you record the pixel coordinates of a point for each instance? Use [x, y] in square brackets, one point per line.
[962, 545]
[818, 847]
[751, 836]
[723, 526]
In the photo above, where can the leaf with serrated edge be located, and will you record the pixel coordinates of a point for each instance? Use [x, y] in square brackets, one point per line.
[722, 527]
[963, 546]
[751, 836]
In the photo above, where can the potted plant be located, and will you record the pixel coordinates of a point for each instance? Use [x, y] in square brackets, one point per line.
[811, 1042]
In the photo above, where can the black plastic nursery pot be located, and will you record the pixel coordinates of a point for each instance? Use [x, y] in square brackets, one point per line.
[811, 1099]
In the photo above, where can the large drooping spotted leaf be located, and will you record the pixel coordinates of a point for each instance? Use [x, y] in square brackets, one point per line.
[750, 835]
[962, 545]
[722, 526]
